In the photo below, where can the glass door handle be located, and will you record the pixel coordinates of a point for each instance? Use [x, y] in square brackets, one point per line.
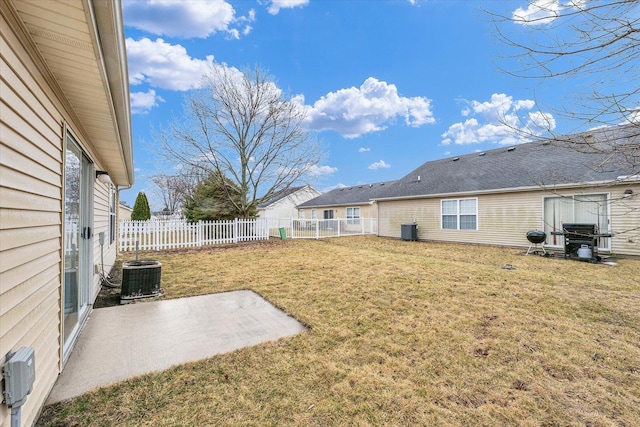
[86, 233]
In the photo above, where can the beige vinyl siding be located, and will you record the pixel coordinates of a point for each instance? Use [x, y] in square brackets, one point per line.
[124, 213]
[30, 219]
[36, 108]
[504, 219]
[101, 224]
[625, 220]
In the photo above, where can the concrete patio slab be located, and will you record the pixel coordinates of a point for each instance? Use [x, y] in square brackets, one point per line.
[121, 342]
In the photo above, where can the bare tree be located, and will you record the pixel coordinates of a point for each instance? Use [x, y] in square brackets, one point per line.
[241, 126]
[593, 48]
[173, 190]
[595, 42]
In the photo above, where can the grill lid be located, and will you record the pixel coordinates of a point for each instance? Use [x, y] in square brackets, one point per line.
[536, 236]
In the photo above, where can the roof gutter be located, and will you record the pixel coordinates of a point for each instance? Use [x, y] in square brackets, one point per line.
[109, 30]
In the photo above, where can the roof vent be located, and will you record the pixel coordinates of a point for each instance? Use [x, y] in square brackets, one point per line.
[455, 159]
[511, 149]
[482, 154]
[418, 178]
[382, 183]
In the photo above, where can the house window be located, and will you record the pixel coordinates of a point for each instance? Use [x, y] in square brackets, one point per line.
[583, 209]
[112, 214]
[353, 215]
[327, 214]
[314, 214]
[459, 214]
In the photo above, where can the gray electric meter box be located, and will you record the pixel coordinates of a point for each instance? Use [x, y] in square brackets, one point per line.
[19, 373]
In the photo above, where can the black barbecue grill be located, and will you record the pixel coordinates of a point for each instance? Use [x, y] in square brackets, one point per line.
[581, 241]
[535, 238]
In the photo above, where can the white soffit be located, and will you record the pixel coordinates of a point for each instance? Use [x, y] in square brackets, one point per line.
[66, 35]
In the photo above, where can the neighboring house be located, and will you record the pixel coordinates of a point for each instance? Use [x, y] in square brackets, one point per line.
[166, 214]
[124, 212]
[64, 117]
[495, 197]
[283, 204]
[345, 202]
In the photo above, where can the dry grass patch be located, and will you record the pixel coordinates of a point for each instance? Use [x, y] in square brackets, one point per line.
[401, 333]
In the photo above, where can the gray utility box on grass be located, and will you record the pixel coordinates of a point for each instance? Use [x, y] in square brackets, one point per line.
[140, 279]
[409, 232]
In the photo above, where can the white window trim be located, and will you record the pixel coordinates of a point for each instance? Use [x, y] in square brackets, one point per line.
[113, 215]
[354, 218]
[458, 214]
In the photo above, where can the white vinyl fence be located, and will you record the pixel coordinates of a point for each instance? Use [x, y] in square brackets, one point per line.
[173, 234]
[299, 228]
[155, 235]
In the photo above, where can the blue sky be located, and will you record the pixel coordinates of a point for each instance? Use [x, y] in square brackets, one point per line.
[403, 81]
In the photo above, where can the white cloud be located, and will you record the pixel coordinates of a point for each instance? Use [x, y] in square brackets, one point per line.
[379, 165]
[500, 120]
[540, 12]
[633, 117]
[186, 19]
[537, 12]
[143, 102]
[164, 65]
[315, 170]
[338, 185]
[355, 111]
[276, 5]
[363, 150]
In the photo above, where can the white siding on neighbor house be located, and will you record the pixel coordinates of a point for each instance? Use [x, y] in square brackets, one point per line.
[286, 207]
[31, 200]
[504, 219]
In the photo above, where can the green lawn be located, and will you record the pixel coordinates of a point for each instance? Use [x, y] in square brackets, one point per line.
[401, 333]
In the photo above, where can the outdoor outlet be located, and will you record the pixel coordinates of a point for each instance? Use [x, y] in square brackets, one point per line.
[19, 373]
[96, 269]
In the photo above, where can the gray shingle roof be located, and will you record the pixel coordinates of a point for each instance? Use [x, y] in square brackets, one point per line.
[541, 163]
[356, 195]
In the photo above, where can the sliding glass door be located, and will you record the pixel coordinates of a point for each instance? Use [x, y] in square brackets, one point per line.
[77, 242]
[583, 209]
